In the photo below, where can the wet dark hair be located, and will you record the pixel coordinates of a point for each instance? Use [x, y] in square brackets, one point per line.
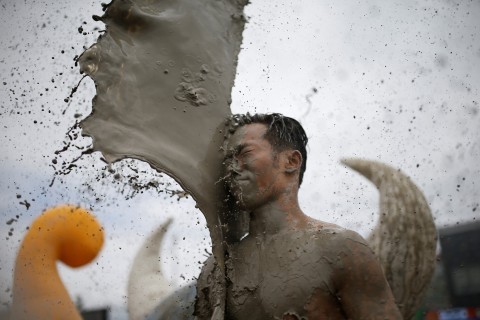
[282, 132]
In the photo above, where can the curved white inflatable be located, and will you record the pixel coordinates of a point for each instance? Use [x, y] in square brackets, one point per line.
[147, 285]
[405, 237]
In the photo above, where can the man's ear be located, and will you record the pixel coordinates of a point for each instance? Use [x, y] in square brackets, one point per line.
[293, 161]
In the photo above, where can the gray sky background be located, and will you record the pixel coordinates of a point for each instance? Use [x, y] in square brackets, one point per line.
[394, 81]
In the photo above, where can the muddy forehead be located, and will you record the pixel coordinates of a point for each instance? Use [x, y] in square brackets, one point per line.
[245, 135]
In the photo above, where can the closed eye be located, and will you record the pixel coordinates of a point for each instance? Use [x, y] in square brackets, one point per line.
[245, 151]
[238, 152]
[242, 149]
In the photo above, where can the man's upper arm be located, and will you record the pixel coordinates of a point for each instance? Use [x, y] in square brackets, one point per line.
[360, 283]
[203, 306]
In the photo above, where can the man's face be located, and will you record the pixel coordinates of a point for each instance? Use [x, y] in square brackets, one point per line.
[251, 167]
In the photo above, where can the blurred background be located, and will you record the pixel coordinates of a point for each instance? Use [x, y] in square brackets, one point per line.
[394, 81]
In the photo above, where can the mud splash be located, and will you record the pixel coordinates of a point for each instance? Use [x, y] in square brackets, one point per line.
[163, 72]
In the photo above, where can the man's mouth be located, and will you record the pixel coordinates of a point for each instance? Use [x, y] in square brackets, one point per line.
[236, 183]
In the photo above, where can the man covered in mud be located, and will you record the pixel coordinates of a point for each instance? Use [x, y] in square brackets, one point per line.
[288, 265]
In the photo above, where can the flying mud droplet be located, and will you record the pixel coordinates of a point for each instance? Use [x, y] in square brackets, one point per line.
[25, 203]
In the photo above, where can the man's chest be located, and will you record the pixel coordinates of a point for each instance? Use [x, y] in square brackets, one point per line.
[276, 275]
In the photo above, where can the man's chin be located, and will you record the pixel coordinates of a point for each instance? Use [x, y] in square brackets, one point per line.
[243, 199]
[244, 203]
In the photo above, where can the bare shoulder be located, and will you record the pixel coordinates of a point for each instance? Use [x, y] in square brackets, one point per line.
[338, 236]
[343, 247]
[358, 279]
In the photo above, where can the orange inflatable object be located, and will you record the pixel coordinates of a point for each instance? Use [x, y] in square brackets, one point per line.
[66, 233]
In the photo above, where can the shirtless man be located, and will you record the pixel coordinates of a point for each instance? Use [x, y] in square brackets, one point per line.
[289, 266]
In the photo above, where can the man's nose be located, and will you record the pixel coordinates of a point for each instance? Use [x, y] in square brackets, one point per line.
[234, 166]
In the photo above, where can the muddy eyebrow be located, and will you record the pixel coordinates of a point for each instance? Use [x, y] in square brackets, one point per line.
[236, 150]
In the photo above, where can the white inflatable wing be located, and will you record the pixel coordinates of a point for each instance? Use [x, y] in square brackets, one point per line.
[404, 238]
[147, 285]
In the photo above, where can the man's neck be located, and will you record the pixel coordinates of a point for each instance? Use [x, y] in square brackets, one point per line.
[275, 216]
